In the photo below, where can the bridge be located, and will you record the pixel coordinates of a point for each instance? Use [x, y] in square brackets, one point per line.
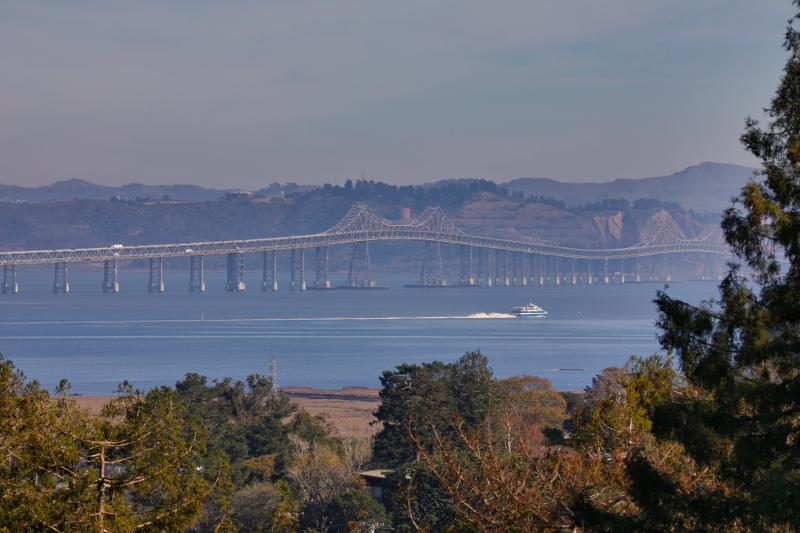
[498, 262]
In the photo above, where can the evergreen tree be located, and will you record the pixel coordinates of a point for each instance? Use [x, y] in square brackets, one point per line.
[741, 354]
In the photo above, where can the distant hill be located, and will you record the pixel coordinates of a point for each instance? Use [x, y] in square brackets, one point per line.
[78, 189]
[86, 190]
[707, 187]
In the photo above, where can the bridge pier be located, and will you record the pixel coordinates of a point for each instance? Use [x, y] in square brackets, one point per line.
[523, 275]
[605, 271]
[501, 262]
[298, 277]
[542, 269]
[490, 268]
[516, 275]
[269, 271]
[156, 283]
[110, 276]
[60, 282]
[197, 274]
[321, 255]
[10, 285]
[557, 261]
[574, 275]
[360, 275]
[466, 276]
[432, 273]
[235, 272]
[480, 266]
[622, 270]
[531, 280]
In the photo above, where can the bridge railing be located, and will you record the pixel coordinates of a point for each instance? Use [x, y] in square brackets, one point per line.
[362, 225]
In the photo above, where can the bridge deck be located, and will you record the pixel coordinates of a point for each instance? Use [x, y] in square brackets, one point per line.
[360, 224]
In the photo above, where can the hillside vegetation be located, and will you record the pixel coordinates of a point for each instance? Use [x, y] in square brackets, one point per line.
[478, 207]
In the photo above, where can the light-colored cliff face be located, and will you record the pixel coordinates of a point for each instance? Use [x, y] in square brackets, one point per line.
[610, 226]
[508, 219]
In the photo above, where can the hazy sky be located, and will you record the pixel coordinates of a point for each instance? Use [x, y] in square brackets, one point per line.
[241, 93]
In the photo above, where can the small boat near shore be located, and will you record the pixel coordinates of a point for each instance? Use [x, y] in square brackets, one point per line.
[530, 310]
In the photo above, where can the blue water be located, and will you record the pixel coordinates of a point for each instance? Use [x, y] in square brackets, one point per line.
[326, 339]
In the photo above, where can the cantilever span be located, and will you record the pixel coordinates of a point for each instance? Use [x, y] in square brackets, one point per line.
[358, 227]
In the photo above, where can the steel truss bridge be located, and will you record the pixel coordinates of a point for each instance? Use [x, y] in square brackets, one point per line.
[499, 261]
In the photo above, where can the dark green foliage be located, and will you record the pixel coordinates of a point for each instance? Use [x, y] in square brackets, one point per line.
[740, 354]
[430, 395]
[414, 400]
[138, 466]
[243, 420]
[355, 510]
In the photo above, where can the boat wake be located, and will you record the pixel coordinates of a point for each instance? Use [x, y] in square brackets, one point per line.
[491, 315]
[263, 319]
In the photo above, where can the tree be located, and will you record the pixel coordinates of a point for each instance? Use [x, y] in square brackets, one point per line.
[40, 443]
[321, 473]
[535, 399]
[355, 511]
[243, 420]
[415, 400]
[135, 467]
[145, 463]
[740, 353]
[415, 397]
[254, 507]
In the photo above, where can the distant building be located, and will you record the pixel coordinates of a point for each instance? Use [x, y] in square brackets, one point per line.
[405, 213]
[239, 195]
[376, 481]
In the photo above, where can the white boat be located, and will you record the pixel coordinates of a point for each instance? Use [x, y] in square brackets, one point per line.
[530, 310]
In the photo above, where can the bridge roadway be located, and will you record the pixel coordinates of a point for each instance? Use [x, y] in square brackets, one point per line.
[359, 227]
[362, 225]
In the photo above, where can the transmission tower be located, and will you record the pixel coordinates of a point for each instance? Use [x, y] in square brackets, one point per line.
[273, 374]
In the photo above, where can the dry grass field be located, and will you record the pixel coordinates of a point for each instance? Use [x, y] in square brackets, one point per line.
[349, 410]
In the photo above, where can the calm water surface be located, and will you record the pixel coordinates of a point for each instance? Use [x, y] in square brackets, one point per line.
[324, 339]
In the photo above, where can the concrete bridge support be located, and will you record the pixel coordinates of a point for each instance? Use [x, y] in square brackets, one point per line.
[542, 270]
[10, 285]
[60, 281]
[197, 274]
[557, 261]
[574, 274]
[622, 270]
[269, 271]
[235, 273]
[491, 268]
[605, 271]
[110, 276]
[360, 275]
[523, 275]
[531, 269]
[156, 283]
[297, 280]
[502, 275]
[516, 268]
[432, 273]
[466, 275]
[479, 276]
[321, 280]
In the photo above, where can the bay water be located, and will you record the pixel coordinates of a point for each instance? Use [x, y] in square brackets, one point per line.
[326, 339]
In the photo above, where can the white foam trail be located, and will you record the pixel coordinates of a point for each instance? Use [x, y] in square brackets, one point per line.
[275, 319]
[491, 315]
